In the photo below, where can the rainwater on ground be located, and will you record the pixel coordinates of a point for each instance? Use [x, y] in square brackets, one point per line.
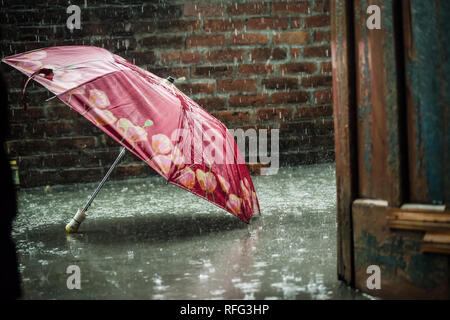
[145, 239]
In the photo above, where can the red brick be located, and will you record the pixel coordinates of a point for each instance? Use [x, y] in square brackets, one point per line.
[325, 67]
[195, 88]
[323, 96]
[295, 52]
[205, 40]
[317, 52]
[273, 114]
[176, 25]
[322, 6]
[259, 54]
[290, 7]
[229, 116]
[316, 81]
[259, 68]
[290, 97]
[247, 8]
[250, 100]
[236, 85]
[320, 36]
[297, 22]
[212, 103]
[226, 55]
[248, 38]
[291, 37]
[223, 25]
[317, 21]
[280, 83]
[192, 9]
[211, 71]
[180, 56]
[314, 111]
[262, 23]
[298, 67]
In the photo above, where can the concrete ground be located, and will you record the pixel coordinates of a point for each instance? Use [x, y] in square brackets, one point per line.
[145, 239]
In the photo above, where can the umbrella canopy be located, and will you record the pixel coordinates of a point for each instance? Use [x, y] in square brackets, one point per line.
[150, 117]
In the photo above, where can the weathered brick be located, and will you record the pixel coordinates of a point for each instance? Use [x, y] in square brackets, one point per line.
[325, 67]
[291, 37]
[219, 25]
[248, 39]
[194, 9]
[250, 8]
[140, 57]
[317, 52]
[290, 97]
[152, 42]
[226, 55]
[314, 111]
[323, 96]
[322, 6]
[316, 81]
[321, 36]
[258, 68]
[74, 143]
[259, 54]
[290, 7]
[273, 114]
[27, 147]
[229, 116]
[20, 115]
[196, 88]
[297, 22]
[211, 72]
[295, 53]
[178, 25]
[298, 67]
[180, 56]
[212, 103]
[236, 85]
[249, 100]
[161, 11]
[262, 23]
[317, 21]
[205, 40]
[280, 83]
[51, 128]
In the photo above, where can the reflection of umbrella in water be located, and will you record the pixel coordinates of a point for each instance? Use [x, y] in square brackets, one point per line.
[150, 117]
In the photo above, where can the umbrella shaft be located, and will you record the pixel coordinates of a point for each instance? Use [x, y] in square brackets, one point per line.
[119, 157]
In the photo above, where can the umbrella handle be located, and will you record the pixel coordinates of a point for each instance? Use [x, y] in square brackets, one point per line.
[81, 214]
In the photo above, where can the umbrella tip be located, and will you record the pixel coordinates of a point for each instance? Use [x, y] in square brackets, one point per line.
[170, 79]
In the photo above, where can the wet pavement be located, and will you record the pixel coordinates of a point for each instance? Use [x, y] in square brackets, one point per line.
[145, 239]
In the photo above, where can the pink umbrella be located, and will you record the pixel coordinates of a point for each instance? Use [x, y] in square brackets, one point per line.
[151, 118]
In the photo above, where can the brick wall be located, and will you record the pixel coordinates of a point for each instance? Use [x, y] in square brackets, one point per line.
[251, 64]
